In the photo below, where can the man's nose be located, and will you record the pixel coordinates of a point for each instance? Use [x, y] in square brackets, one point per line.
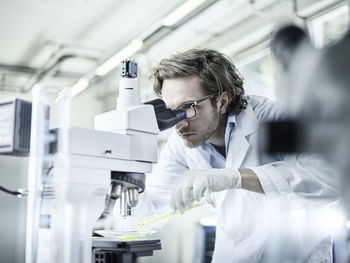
[181, 124]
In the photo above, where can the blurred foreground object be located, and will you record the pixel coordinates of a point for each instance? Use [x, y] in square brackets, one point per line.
[316, 91]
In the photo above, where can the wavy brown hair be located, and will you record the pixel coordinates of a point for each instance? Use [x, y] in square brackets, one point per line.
[214, 69]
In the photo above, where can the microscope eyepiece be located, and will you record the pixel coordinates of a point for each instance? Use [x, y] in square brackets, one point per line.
[128, 69]
[166, 118]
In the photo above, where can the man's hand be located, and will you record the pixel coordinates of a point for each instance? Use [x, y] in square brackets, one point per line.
[195, 183]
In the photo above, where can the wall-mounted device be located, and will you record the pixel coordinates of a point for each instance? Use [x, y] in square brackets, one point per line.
[15, 121]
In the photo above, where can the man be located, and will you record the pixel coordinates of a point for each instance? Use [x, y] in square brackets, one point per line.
[215, 151]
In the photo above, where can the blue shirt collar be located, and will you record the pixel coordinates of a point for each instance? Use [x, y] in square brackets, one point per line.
[230, 126]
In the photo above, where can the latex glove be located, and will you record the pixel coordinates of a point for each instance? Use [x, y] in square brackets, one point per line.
[195, 183]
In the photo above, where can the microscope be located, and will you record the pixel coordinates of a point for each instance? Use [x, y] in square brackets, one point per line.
[75, 173]
[137, 121]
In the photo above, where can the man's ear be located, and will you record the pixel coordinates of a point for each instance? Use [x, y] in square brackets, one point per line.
[225, 101]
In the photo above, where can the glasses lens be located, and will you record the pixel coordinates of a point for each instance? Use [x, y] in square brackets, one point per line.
[191, 112]
[189, 108]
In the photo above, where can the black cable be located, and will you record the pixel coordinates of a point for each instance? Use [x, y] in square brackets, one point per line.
[9, 191]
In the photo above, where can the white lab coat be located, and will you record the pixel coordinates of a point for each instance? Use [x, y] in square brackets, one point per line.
[242, 234]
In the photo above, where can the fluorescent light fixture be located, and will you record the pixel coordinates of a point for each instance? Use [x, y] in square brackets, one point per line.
[181, 12]
[66, 92]
[81, 85]
[134, 46]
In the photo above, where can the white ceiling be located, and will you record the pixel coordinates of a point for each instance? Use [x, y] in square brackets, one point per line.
[35, 34]
[63, 40]
[29, 28]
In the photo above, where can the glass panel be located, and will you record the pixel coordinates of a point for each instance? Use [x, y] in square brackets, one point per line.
[329, 26]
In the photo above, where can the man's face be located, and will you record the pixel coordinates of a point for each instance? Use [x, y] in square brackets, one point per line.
[197, 130]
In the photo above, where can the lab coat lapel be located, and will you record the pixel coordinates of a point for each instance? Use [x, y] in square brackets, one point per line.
[237, 149]
[246, 124]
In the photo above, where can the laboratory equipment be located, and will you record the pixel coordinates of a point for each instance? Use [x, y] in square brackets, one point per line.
[72, 169]
[113, 157]
[15, 121]
[15, 124]
[141, 123]
[13, 209]
[107, 251]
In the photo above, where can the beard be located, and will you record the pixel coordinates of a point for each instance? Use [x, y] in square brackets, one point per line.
[206, 132]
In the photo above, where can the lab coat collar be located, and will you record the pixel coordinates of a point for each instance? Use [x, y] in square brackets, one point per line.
[246, 124]
[247, 121]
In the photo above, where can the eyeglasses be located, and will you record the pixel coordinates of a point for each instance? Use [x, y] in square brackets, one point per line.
[190, 107]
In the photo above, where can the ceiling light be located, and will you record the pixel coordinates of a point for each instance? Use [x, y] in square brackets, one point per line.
[81, 85]
[134, 46]
[181, 12]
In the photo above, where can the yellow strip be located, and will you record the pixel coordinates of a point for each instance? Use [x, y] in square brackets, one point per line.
[130, 238]
[158, 218]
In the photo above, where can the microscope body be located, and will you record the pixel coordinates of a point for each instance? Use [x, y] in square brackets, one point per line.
[79, 175]
[108, 162]
[94, 159]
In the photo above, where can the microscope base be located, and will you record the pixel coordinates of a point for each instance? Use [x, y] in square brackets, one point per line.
[110, 251]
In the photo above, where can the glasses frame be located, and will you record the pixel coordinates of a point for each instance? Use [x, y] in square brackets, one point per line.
[194, 103]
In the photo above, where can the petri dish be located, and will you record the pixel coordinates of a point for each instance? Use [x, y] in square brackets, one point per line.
[125, 235]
